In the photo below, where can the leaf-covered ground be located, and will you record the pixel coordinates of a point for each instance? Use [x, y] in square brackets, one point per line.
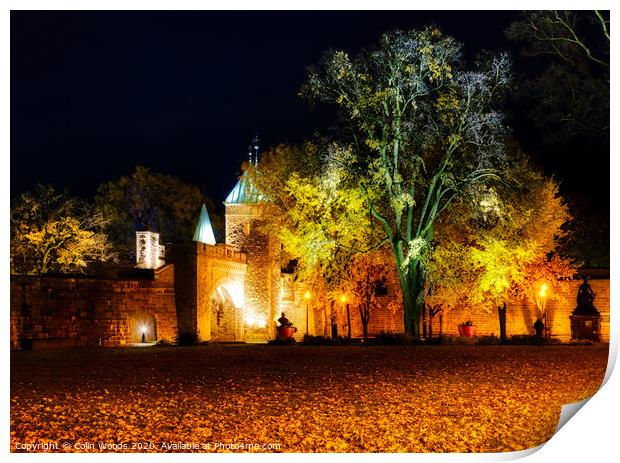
[302, 399]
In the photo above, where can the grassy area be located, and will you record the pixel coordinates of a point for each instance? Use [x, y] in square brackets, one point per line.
[325, 399]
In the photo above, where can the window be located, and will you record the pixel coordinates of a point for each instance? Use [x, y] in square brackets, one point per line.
[381, 288]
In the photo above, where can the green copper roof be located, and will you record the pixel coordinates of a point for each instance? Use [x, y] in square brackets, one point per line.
[204, 231]
[244, 193]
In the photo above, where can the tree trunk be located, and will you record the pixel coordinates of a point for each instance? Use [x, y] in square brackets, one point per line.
[333, 318]
[411, 280]
[416, 285]
[424, 320]
[364, 319]
[501, 312]
[348, 322]
[430, 326]
[408, 303]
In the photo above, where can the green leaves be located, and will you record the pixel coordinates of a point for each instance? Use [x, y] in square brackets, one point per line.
[151, 201]
[502, 244]
[424, 130]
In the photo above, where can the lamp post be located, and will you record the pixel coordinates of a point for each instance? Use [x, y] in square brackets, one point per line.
[344, 300]
[543, 306]
[307, 296]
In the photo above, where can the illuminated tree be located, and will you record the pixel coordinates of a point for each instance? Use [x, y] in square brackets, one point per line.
[365, 273]
[506, 248]
[423, 131]
[52, 232]
[150, 201]
[320, 218]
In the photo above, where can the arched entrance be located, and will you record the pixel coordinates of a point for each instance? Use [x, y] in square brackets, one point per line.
[226, 313]
[142, 328]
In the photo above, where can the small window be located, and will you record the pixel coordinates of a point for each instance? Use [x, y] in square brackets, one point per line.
[246, 229]
[381, 288]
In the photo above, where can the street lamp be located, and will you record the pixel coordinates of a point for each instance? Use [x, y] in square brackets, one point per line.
[307, 297]
[344, 300]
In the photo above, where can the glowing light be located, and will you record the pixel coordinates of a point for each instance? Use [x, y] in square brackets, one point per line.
[543, 290]
[307, 295]
[255, 321]
[343, 298]
[236, 293]
[143, 328]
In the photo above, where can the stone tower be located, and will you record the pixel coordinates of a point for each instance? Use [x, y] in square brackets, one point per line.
[246, 209]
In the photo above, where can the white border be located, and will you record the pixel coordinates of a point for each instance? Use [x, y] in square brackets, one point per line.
[591, 436]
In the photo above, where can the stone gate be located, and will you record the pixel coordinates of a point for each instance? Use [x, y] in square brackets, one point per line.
[209, 282]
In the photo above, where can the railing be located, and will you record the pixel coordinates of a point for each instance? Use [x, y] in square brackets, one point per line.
[226, 251]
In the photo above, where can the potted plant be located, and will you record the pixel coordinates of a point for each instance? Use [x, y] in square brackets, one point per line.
[286, 330]
[467, 329]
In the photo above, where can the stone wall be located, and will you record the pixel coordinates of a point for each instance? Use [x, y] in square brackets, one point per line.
[79, 311]
[520, 315]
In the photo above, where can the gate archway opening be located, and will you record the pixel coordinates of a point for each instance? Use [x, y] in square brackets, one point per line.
[226, 313]
[142, 328]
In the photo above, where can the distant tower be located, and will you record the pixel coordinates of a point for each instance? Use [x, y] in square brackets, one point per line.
[253, 150]
[149, 253]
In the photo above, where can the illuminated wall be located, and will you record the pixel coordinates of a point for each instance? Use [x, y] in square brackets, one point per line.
[82, 311]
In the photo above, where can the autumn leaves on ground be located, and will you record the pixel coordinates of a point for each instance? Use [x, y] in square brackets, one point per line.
[302, 399]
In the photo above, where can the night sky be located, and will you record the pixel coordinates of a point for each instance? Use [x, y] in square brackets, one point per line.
[94, 94]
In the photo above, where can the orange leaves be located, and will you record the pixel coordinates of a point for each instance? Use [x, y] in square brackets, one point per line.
[305, 399]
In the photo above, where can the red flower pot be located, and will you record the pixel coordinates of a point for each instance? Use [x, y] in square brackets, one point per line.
[468, 331]
[286, 332]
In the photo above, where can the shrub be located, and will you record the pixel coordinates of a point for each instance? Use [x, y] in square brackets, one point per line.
[310, 340]
[528, 339]
[449, 340]
[488, 340]
[282, 342]
[387, 338]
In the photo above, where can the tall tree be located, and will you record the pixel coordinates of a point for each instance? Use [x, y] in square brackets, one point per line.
[424, 131]
[151, 201]
[54, 232]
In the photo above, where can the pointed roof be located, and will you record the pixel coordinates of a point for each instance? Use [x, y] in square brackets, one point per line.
[204, 230]
[244, 192]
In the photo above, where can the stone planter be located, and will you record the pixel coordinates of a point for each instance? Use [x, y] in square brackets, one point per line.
[286, 332]
[467, 331]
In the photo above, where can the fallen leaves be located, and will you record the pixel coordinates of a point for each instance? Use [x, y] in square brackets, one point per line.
[307, 399]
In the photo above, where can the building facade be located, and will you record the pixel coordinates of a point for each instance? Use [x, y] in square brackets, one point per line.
[232, 292]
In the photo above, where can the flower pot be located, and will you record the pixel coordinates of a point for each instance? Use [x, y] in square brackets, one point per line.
[286, 332]
[468, 331]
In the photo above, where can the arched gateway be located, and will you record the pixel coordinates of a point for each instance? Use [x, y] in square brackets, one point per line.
[209, 281]
[235, 291]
